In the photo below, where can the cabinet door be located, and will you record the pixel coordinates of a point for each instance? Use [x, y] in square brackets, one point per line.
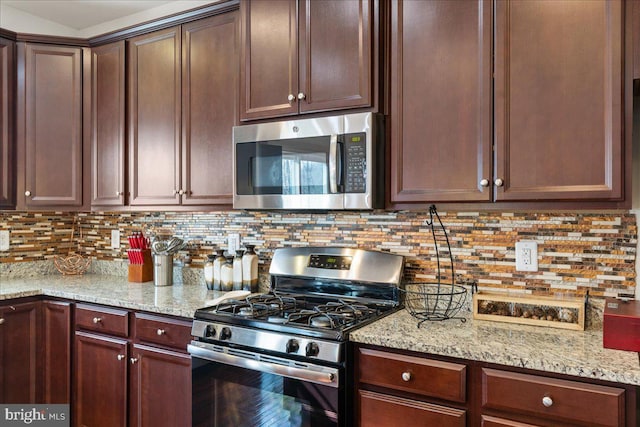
[440, 101]
[377, 409]
[153, 402]
[7, 109]
[107, 110]
[209, 108]
[335, 54]
[269, 58]
[52, 127]
[56, 337]
[100, 392]
[558, 100]
[19, 338]
[154, 118]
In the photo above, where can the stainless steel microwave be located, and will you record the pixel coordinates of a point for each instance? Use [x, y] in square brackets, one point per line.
[326, 163]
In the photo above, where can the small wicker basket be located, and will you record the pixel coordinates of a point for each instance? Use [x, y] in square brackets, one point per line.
[73, 263]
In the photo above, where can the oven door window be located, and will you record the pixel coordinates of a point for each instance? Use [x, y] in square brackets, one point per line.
[225, 395]
[284, 167]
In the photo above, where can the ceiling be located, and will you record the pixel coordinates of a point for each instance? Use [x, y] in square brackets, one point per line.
[85, 18]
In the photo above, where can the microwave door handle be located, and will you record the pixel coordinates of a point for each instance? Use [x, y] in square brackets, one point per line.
[333, 164]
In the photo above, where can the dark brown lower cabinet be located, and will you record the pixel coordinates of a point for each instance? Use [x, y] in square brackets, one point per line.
[100, 380]
[131, 369]
[19, 346]
[160, 387]
[56, 341]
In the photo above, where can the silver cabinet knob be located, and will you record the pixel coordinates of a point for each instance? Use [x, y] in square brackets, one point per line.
[160, 332]
[406, 376]
[484, 182]
[134, 360]
[97, 320]
[498, 182]
[27, 193]
[121, 357]
[547, 401]
[1, 320]
[181, 192]
[118, 193]
[291, 97]
[301, 96]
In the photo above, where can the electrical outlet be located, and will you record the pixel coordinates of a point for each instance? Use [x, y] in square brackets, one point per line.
[527, 255]
[233, 241]
[115, 239]
[4, 240]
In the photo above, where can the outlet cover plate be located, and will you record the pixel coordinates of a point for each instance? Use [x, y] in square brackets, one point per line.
[4, 240]
[233, 243]
[115, 239]
[527, 255]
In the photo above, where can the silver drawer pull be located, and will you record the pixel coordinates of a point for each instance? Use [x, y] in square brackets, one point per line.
[547, 401]
[406, 376]
[97, 320]
[160, 332]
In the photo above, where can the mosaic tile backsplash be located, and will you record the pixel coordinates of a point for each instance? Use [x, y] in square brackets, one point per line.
[577, 252]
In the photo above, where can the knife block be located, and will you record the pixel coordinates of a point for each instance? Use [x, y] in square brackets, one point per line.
[142, 272]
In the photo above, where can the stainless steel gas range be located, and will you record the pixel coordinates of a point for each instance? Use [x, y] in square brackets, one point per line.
[280, 358]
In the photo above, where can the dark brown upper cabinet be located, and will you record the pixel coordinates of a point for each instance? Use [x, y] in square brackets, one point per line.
[50, 126]
[183, 95]
[154, 117]
[559, 100]
[550, 127]
[210, 58]
[108, 131]
[7, 123]
[440, 100]
[303, 56]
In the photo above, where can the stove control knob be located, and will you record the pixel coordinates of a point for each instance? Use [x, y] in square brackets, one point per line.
[312, 349]
[225, 334]
[292, 346]
[210, 331]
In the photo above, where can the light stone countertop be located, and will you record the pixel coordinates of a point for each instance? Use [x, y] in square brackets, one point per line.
[577, 353]
[177, 300]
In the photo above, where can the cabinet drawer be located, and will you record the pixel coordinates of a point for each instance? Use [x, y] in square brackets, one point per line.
[432, 378]
[162, 331]
[383, 410]
[572, 401]
[487, 421]
[110, 321]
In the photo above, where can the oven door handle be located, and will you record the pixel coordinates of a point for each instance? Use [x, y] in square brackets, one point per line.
[318, 374]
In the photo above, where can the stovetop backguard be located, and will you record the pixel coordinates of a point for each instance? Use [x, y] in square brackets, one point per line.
[366, 276]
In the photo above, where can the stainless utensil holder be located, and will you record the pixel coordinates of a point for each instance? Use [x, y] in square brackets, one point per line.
[163, 270]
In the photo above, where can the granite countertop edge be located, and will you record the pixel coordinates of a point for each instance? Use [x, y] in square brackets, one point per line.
[575, 353]
[561, 351]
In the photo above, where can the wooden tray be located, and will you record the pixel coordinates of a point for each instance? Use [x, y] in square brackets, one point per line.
[564, 313]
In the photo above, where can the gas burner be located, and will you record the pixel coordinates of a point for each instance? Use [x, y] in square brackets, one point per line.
[245, 311]
[277, 319]
[321, 321]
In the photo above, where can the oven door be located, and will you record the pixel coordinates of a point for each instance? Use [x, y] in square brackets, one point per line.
[233, 387]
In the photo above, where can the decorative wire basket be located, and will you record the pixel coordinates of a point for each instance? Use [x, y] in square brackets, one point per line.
[442, 299]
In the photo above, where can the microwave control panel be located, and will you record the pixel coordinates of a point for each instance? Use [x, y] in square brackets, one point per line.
[355, 156]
